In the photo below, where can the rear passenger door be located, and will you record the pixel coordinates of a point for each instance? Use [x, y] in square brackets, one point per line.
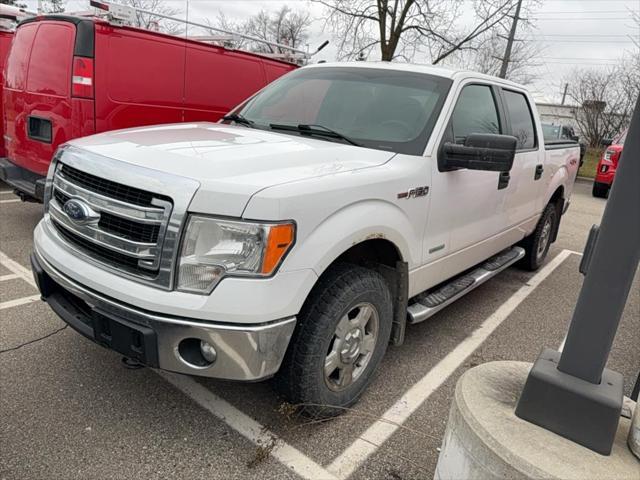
[526, 183]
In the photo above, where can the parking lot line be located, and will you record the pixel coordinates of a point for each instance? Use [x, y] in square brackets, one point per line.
[5, 192]
[253, 431]
[19, 301]
[12, 200]
[373, 438]
[17, 269]
[8, 276]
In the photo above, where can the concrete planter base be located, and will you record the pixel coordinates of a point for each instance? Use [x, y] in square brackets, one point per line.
[485, 440]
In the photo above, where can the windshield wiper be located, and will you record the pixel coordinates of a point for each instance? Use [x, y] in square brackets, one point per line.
[237, 118]
[314, 129]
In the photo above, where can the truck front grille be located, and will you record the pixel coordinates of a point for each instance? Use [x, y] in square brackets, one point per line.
[108, 188]
[126, 226]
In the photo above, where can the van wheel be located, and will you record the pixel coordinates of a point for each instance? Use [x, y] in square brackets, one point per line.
[600, 190]
[342, 334]
[537, 244]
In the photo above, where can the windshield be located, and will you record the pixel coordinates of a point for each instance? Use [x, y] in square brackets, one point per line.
[376, 108]
[550, 132]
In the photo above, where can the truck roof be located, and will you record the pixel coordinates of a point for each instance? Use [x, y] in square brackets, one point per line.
[454, 74]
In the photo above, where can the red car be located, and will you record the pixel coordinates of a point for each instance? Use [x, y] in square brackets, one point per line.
[72, 76]
[607, 165]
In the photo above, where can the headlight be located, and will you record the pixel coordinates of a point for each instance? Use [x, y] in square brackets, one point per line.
[214, 248]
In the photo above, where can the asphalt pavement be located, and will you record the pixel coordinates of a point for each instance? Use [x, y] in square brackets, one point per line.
[69, 409]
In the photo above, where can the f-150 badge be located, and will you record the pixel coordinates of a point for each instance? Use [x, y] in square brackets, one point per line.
[414, 192]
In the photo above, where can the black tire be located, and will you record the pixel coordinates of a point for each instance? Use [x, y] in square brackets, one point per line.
[600, 190]
[537, 244]
[339, 292]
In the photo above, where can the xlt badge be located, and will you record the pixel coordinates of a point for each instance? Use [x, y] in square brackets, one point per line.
[414, 192]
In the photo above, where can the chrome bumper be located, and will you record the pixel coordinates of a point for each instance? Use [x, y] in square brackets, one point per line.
[243, 352]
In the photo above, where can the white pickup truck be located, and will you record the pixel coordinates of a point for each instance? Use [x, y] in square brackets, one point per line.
[300, 236]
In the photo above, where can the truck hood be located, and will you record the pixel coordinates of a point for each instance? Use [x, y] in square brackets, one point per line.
[231, 163]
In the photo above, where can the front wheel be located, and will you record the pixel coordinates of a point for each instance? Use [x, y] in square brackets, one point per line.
[537, 244]
[342, 334]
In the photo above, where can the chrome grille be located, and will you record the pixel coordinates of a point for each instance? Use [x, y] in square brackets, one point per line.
[130, 230]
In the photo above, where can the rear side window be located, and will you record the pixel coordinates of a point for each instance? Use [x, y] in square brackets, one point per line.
[18, 61]
[50, 63]
[475, 112]
[521, 119]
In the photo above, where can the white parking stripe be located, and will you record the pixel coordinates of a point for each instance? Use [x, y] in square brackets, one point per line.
[18, 269]
[5, 192]
[19, 301]
[373, 438]
[13, 200]
[289, 456]
[9, 276]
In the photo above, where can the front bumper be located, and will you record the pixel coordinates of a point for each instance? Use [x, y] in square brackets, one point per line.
[244, 352]
[24, 181]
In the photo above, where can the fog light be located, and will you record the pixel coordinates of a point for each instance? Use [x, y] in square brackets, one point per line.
[207, 351]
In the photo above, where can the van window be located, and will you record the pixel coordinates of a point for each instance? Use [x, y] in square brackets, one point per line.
[18, 60]
[50, 63]
[144, 70]
[475, 112]
[521, 119]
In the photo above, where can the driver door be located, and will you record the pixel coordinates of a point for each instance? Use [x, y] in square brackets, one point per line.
[467, 205]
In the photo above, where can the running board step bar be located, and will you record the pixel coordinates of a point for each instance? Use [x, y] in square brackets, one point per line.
[432, 301]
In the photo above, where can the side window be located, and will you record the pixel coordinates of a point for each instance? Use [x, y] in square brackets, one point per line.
[475, 112]
[521, 119]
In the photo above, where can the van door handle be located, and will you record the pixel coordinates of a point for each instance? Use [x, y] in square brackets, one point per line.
[503, 180]
[539, 170]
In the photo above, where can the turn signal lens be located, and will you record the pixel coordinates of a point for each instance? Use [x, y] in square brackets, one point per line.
[279, 241]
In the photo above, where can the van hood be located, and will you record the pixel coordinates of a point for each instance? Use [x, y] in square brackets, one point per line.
[231, 163]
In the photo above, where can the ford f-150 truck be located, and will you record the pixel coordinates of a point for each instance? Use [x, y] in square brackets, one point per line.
[299, 237]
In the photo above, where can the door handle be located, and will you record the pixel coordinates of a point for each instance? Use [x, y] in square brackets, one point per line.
[539, 170]
[503, 180]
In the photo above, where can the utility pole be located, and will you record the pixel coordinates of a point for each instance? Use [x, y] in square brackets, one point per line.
[512, 35]
[564, 94]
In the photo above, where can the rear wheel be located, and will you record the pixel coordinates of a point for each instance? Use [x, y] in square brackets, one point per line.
[537, 244]
[342, 334]
[600, 190]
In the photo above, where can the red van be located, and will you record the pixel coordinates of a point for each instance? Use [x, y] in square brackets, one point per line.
[69, 76]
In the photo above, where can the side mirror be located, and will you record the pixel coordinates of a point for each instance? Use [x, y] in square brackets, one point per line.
[481, 151]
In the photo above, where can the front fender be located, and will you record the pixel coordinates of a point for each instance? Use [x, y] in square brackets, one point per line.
[353, 224]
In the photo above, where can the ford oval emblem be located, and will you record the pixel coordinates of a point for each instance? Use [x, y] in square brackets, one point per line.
[79, 212]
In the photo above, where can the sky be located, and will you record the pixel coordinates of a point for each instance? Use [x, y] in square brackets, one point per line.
[571, 34]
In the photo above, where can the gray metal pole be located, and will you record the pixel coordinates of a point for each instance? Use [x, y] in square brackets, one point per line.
[612, 266]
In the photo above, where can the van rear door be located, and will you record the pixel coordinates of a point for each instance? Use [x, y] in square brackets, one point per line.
[5, 44]
[48, 95]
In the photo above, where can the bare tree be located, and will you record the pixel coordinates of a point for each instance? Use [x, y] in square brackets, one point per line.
[486, 57]
[605, 98]
[151, 22]
[54, 6]
[283, 26]
[402, 28]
